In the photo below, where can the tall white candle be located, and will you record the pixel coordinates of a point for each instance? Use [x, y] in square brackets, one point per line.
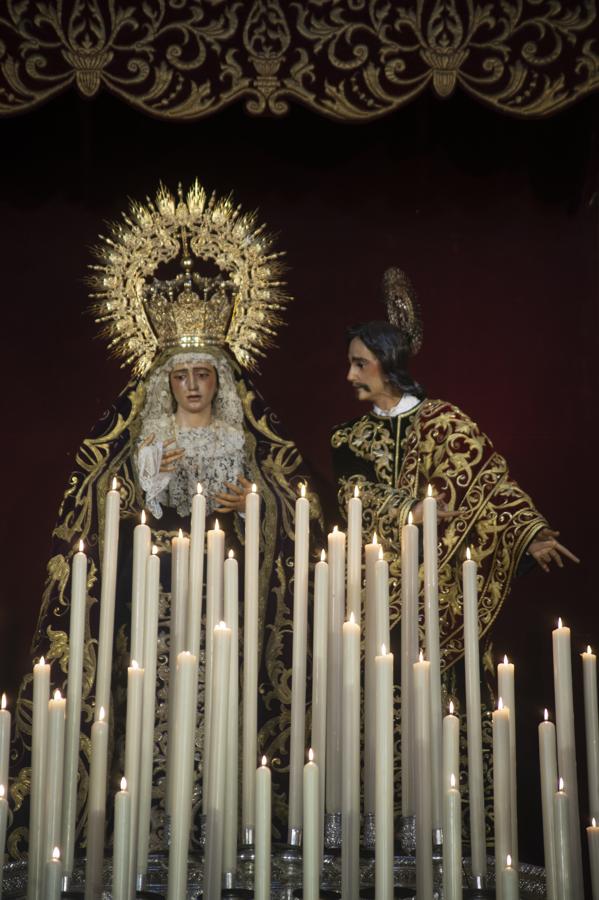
[142, 538]
[589, 675]
[501, 787]
[96, 809]
[548, 766]
[262, 862]
[146, 770]
[451, 747]
[510, 886]
[215, 553]
[566, 743]
[182, 785]
[350, 763]
[107, 599]
[5, 718]
[452, 840]
[354, 556]
[53, 876]
[422, 759]
[409, 655]
[213, 854]
[196, 570]
[474, 718]
[232, 745]
[298, 670]
[371, 557]
[506, 688]
[3, 823]
[54, 772]
[39, 738]
[384, 786]
[73, 723]
[250, 663]
[312, 849]
[135, 687]
[336, 554]
[319, 681]
[433, 646]
[121, 888]
[566, 889]
[593, 844]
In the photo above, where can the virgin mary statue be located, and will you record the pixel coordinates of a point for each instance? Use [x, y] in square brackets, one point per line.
[189, 292]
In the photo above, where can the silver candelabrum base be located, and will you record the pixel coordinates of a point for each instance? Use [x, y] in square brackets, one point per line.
[407, 835]
[332, 831]
[369, 831]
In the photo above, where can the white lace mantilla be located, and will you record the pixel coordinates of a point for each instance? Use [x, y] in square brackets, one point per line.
[213, 454]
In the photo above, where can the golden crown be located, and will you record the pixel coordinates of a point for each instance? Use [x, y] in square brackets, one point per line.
[237, 304]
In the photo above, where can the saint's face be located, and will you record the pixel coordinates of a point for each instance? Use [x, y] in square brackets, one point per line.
[193, 386]
[365, 374]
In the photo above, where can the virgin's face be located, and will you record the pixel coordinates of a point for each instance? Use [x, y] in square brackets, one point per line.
[193, 386]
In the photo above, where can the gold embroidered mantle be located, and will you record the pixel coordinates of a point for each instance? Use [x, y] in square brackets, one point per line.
[395, 459]
[348, 59]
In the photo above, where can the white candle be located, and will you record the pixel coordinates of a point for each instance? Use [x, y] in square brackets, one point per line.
[371, 556]
[54, 772]
[96, 809]
[474, 718]
[107, 599]
[182, 785]
[319, 681]
[506, 688]
[354, 556]
[298, 671]
[409, 655]
[213, 854]
[593, 842]
[4, 741]
[263, 833]
[566, 743]
[250, 662]
[548, 766]
[564, 874]
[3, 823]
[433, 646]
[232, 745]
[451, 747]
[53, 876]
[510, 886]
[336, 555]
[350, 763]
[73, 723]
[121, 888]
[196, 570]
[135, 688]
[37, 847]
[422, 767]
[452, 841]
[146, 770]
[501, 786]
[311, 849]
[141, 550]
[215, 553]
[589, 674]
[384, 786]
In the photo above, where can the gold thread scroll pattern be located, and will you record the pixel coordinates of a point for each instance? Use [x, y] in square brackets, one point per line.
[348, 59]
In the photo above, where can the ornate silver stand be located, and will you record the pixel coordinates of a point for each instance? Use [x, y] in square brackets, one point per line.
[407, 835]
[246, 850]
[437, 843]
[332, 831]
[203, 827]
[369, 832]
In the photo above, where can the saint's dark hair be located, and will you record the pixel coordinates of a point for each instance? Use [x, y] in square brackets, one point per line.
[392, 350]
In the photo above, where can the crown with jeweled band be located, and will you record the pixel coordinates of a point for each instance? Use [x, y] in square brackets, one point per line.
[237, 304]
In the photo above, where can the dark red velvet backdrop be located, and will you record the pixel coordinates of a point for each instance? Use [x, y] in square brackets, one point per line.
[494, 219]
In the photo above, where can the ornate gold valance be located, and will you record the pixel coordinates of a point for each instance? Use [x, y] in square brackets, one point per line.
[348, 59]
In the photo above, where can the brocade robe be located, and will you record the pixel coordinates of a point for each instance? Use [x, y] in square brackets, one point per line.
[393, 459]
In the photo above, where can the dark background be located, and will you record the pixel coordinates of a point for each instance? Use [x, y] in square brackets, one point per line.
[495, 220]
